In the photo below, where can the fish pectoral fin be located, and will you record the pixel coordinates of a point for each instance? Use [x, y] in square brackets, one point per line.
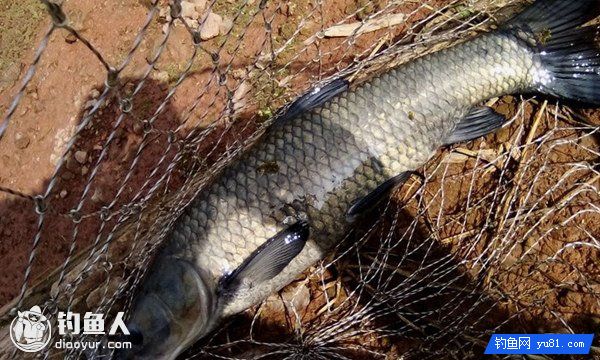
[314, 98]
[368, 202]
[479, 121]
[269, 259]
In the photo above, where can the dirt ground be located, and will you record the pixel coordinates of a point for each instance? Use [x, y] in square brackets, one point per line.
[98, 178]
[68, 80]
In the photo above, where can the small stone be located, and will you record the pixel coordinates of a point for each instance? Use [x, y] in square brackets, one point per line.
[63, 194]
[89, 104]
[94, 94]
[70, 38]
[188, 10]
[21, 141]
[164, 14]
[81, 156]
[71, 164]
[97, 147]
[200, 5]
[225, 26]
[239, 96]
[98, 196]
[210, 27]
[67, 175]
[238, 74]
[162, 76]
[138, 128]
[84, 170]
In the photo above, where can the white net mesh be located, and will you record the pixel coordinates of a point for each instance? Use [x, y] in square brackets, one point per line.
[126, 109]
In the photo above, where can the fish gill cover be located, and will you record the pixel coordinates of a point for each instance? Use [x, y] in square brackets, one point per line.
[116, 114]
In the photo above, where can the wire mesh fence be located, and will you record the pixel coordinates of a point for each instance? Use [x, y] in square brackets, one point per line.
[136, 106]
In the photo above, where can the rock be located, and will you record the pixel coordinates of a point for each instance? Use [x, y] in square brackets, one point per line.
[162, 76]
[238, 74]
[70, 38]
[89, 104]
[98, 196]
[21, 141]
[67, 175]
[71, 164]
[210, 27]
[63, 194]
[200, 5]
[225, 26]
[81, 156]
[188, 10]
[137, 128]
[94, 94]
[239, 96]
[84, 170]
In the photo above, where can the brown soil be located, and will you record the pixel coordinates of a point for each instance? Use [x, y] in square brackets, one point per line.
[533, 285]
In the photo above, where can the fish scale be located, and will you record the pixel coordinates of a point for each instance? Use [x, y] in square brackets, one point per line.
[341, 152]
[311, 168]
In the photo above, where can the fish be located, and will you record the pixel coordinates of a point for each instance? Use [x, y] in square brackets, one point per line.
[336, 153]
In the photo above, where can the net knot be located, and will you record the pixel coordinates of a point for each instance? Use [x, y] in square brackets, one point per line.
[175, 9]
[223, 79]
[40, 204]
[196, 37]
[126, 105]
[56, 13]
[147, 126]
[171, 137]
[75, 216]
[112, 78]
[105, 214]
[107, 265]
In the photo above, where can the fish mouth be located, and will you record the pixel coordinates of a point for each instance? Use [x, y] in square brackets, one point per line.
[175, 306]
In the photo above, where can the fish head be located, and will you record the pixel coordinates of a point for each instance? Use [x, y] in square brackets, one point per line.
[175, 307]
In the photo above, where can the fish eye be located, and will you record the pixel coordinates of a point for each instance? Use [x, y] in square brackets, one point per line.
[135, 336]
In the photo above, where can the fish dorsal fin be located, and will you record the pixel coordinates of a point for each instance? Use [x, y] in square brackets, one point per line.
[479, 121]
[268, 260]
[368, 202]
[314, 98]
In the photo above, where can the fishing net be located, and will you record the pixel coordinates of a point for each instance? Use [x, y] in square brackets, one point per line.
[116, 114]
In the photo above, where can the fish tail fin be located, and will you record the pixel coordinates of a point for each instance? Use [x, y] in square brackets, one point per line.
[569, 53]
